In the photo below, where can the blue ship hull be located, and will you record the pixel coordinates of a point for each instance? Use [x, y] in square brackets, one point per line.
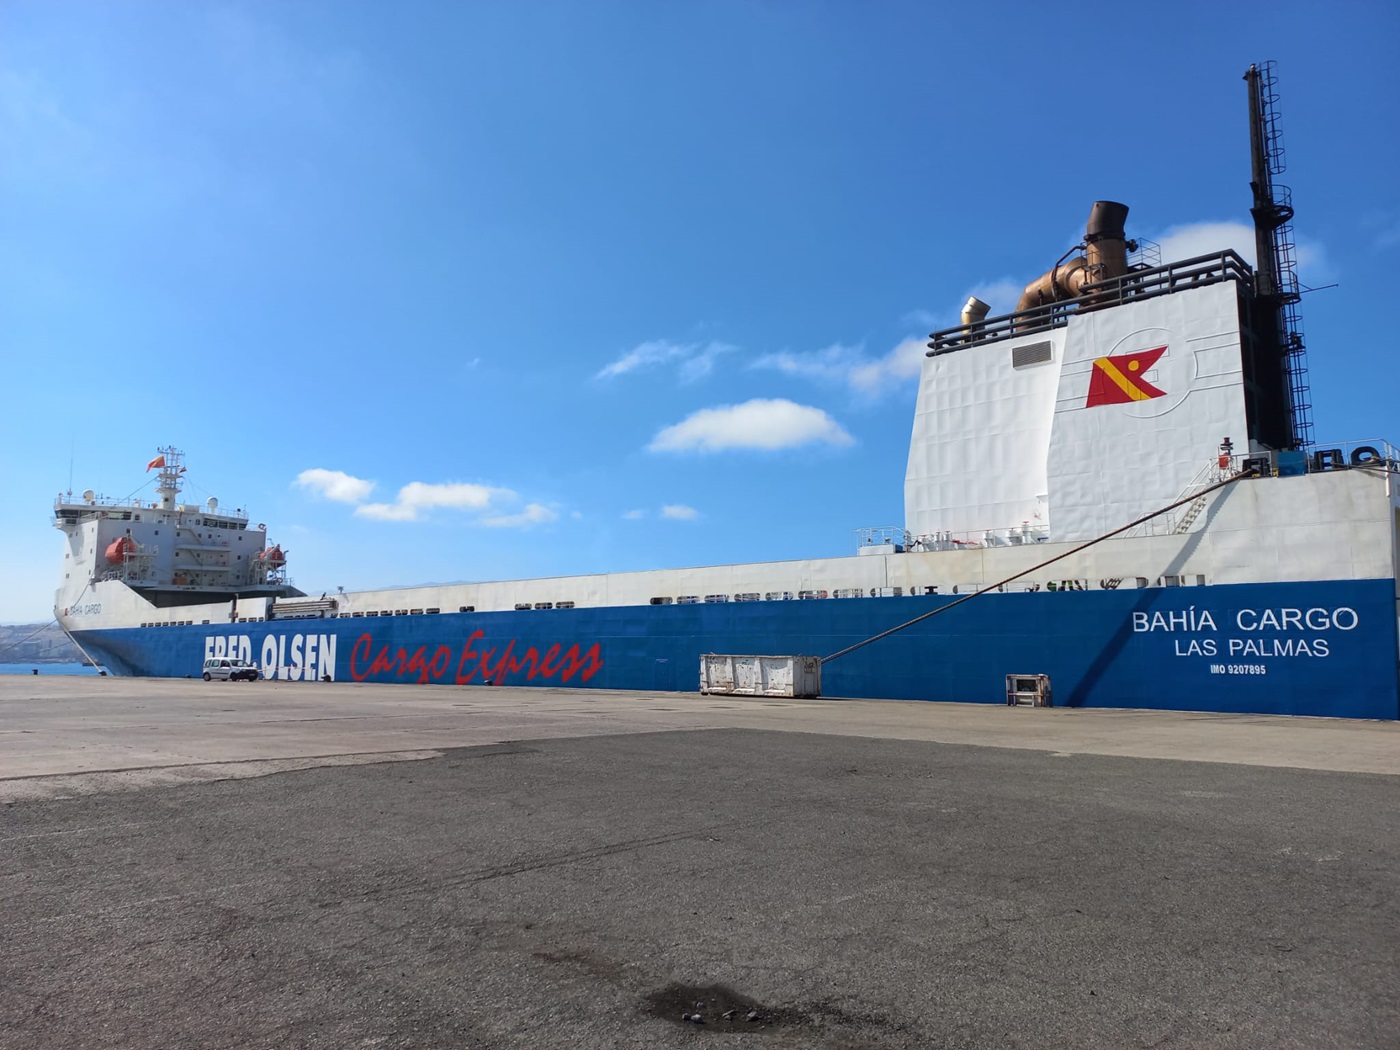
[1327, 648]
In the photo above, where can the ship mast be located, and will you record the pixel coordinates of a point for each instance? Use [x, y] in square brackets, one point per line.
[1285, 369]
[169, 483]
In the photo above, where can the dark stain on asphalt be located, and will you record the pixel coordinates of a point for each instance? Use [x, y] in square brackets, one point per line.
[715, 1008]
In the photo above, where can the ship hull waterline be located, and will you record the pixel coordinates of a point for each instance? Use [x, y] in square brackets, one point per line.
[1316, 648]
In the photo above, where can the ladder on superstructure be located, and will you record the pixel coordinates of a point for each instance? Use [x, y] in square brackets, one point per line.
[1278, 273]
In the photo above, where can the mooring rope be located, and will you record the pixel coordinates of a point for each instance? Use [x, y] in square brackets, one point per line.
[1035, 568]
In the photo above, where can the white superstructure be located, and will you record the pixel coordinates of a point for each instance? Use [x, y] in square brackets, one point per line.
[1054, 434]
[159, 554]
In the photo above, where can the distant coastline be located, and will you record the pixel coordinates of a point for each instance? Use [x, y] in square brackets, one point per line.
[37, 644]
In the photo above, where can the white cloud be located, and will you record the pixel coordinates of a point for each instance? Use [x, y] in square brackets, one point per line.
[697, 359]
[1206, 238]
[759, 424]
[834, 363]
[633, 515]
[702, 363]
[644, 356]
[851, 366]
[485, 505]
[679, 512]
[533, 514]
[335, 485]
[894, 369]
[388, 512]
[417, 497]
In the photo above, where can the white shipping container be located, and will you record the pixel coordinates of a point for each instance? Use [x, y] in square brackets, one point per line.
[793, 676]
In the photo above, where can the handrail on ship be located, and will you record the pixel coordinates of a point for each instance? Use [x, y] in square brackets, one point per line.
[1131, 287]
[103, 505]
[1036, 568]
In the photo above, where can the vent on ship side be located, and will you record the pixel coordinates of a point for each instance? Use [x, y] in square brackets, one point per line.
[1030, 354]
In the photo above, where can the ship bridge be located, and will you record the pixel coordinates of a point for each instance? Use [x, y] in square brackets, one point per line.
[170, 553]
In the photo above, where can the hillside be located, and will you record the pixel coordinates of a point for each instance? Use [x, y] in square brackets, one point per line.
[22, 643]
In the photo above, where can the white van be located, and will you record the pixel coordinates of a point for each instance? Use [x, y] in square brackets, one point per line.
[230, 670]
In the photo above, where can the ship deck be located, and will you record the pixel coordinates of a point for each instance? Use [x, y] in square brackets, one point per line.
[336, 864]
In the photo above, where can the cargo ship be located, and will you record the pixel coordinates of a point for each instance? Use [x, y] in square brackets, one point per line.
[1114, 486]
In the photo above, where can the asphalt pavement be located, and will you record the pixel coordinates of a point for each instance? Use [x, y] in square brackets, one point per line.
[655, 877]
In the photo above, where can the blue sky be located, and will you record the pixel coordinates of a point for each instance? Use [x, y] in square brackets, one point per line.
[474, 291]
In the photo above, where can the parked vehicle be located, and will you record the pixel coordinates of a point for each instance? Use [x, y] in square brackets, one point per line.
[230, 670]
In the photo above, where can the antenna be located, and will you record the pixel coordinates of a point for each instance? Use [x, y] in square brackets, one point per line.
[171, 462]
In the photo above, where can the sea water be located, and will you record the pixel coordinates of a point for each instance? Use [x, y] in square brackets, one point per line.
[47, 669]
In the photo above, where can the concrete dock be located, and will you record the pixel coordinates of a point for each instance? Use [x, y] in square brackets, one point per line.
[190, 864]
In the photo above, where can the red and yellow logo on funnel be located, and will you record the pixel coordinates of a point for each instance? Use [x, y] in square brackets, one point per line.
[1119, 380]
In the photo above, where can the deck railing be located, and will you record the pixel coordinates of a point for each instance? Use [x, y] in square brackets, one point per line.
[1148, 283]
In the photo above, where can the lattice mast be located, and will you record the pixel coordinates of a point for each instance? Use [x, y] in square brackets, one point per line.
[1276, 267]
[171, 462]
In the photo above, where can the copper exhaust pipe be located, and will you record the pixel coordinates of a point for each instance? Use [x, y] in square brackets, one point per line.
[1105, 243]
[1105, 257]
[1062, 281]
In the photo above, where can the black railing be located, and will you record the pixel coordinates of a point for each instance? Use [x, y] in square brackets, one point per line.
[1132, 287]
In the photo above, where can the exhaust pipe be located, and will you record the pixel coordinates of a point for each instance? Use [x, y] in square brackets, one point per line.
[1105, 257]
[1105, 242]
[974, 312]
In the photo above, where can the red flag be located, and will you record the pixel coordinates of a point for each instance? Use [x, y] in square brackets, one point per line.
[159, 461]
[1119, 380]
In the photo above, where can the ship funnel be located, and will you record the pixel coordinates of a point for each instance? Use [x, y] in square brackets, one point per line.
[1105, 257]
